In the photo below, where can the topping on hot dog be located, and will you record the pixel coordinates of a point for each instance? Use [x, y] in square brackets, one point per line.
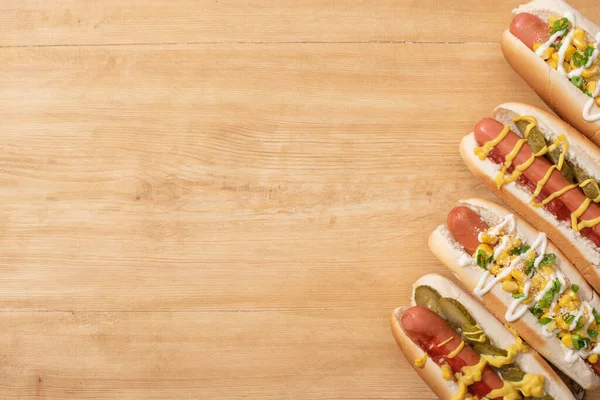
[536, 284]
[566, 48]
[445, 330]
[547, 170]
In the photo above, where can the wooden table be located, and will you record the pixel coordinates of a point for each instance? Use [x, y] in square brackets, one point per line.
[207, 199]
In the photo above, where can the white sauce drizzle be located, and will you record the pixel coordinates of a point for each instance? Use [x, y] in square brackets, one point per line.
[546, 288]
[573, 355]
[501, 247]
[513, 314]
[550, 41]
[578, 315]
[508, 220]
[587, 110]
[566, 42]
[483, 289]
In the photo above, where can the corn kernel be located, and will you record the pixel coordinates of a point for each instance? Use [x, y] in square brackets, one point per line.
[567, 67]
[591, 86]
[567, 340]
[593, 358]
[597, 100]
[591, 71]
[503, 258]
[552, 63]
[555, 56]
[489, 239]
[528, 300]
[510, 286]
[562, 324]
[546, 270]
[580, 44]
[495, 270]
[552, 20]
[536, 46]
[546, 54]
[518, 275]
[572, 64]
[486, 249]
[579, 34]
[569, 52]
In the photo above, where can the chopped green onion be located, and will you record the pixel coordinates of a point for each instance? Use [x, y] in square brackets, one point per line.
[588, 93]
[575, 288]
[577, 81]
[579, 60]
[596, 315]
[589, 51]
[537, 311]
[519, 250]
[579, 323]
[482, 259]
[529, 266]
[544, 321]
[559, 25]
[577, 341]
[568, 318]
[592, 332]
[518, 295]
[555, 286]
[548, 259]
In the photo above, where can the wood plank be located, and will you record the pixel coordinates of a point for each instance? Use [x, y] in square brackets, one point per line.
[300, 354]
[84, 22]
[218, 177]
[315, 354]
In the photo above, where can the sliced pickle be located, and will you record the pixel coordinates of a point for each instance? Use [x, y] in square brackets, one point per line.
[428, 297]
[536, 142]
[456, 314]
[511, 373]
[489, 350]
[582, 176]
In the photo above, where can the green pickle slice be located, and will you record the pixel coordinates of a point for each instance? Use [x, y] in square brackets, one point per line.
[427, 297]
[537, 142]
[456, 314]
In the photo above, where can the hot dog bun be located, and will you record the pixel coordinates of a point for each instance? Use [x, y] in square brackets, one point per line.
[581, 251]
[555, 89]
[449, 251]
[530, 362]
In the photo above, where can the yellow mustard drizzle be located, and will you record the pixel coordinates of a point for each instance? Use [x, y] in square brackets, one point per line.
[458, 349]
[469, 376]
[420, 361]
[483, 151]
[501, 178]
[531, 385]
[447, 372]
[446, 341]
[513, 350]
[476, 336]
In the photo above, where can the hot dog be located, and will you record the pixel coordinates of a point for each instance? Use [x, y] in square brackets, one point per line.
[565, 77]
[458, 347]
[523, 279]
[545, 170]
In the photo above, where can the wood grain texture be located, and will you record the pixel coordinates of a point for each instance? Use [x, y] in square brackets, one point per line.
[295, 165]
[199, 201]
[79, 22]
